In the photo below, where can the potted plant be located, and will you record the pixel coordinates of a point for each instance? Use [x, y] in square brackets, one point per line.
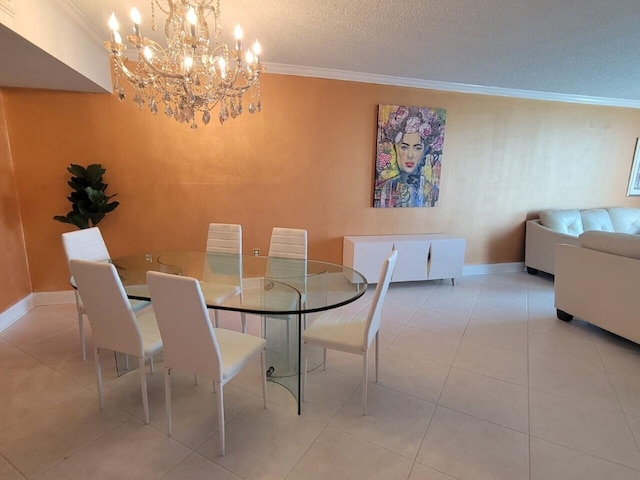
[89, 201]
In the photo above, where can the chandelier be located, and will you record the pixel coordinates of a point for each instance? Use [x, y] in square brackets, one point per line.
[193, 74]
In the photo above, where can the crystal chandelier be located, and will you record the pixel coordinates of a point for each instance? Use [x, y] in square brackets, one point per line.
[193, 74]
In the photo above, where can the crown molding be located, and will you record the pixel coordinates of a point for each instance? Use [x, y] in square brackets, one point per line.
[283, 69]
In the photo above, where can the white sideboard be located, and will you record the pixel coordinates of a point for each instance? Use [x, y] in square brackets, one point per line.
[420, 257]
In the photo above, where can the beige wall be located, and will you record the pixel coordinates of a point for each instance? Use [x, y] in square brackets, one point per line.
[14, 276]
[307, 161]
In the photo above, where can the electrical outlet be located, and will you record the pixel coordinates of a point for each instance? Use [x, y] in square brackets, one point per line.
[256, 252]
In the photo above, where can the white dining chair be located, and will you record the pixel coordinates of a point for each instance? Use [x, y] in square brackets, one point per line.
[287, 263]
[114, 324]
[226, 238]
[351, 333]
[88, 244]
[193, 345]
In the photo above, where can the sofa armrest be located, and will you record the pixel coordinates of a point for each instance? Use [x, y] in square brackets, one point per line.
[600, 288]
[540, 242]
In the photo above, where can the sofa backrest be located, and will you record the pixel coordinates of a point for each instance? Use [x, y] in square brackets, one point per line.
[623, 244]
[625, 219]
[596, 219]
[563, 221]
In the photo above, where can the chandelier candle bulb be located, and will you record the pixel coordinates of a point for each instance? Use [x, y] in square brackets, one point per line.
[192, 19]
[113, 25]
[136, 18]
[237, 32]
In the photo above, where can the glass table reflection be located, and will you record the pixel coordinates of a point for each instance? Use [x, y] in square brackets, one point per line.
[281, 291]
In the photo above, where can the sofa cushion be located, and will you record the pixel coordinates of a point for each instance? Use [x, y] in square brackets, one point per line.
[625, 219]
[623, 244]
[596, 219]
[563, 221]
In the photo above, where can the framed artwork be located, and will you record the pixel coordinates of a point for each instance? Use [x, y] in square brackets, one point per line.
[634, 179]
[408, 156]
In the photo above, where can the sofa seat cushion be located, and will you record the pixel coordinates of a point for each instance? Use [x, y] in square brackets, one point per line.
[623, 244]
[625, 219]
[596, 219]
[563, 221]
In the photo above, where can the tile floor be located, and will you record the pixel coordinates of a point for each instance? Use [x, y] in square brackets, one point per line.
[478, 381]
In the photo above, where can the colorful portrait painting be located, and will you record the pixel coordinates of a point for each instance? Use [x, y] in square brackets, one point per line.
[408, 156]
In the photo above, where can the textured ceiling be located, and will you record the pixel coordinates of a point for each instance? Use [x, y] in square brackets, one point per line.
[572, 47]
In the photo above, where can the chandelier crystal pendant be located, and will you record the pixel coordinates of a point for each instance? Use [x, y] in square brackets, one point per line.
[193, 74]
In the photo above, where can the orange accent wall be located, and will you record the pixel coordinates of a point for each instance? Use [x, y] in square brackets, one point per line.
[14, 279]
[307, 161]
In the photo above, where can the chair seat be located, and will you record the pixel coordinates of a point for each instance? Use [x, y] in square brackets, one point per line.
[337, 331]
[236, 349]
[151, 339]
[216, 294]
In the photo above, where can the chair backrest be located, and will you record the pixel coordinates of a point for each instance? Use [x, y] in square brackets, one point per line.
[375, 311]
[85, 244]
[113, 322]
[288, 243]
[188, 339]
[224, 238]
[287, 255]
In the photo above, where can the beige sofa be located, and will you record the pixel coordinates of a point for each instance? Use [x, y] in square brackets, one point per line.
[596, 281]
[565, 226]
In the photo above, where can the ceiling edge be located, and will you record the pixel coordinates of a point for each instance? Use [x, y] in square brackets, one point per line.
[304, 71]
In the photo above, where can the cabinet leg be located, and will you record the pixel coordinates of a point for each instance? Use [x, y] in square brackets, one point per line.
[453, 282]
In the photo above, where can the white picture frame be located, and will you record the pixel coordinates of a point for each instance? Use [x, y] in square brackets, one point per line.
[634, 178]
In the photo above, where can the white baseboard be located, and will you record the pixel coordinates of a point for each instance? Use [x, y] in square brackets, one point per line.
[492, 268]
[54, 298]
[15, 311]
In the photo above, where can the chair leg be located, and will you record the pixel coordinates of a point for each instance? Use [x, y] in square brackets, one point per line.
[221, 420]
[167, 397]
[263, 374]
[243, 317]
[304, 374]
[151, 364]
[377, 353]
[96, 359]
[215, 317]
[81, 329]
[365, 381]
[324, 358]
[143, 387]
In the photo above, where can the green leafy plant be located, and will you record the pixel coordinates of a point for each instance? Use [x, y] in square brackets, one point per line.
[89, 201]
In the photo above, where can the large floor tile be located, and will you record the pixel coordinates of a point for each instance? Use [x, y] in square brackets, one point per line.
[492, 361]
[394, 420]
[420, 472]
[263, 443]
[468, 448]
[412, 374]
[57, 432]
[504, 403]
[561, 343]
[8, 472]
[326, 392]
[338, 456]
[440, 322]
[196, 467]
[550, 461]
[504, 335]
[431, 346]
[132, 451]
[573, 378]
[590, 429]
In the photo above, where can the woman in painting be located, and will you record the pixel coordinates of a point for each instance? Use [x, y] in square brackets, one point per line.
[409, 147]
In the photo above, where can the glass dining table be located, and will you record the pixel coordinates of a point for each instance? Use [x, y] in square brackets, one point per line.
[280, 292]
